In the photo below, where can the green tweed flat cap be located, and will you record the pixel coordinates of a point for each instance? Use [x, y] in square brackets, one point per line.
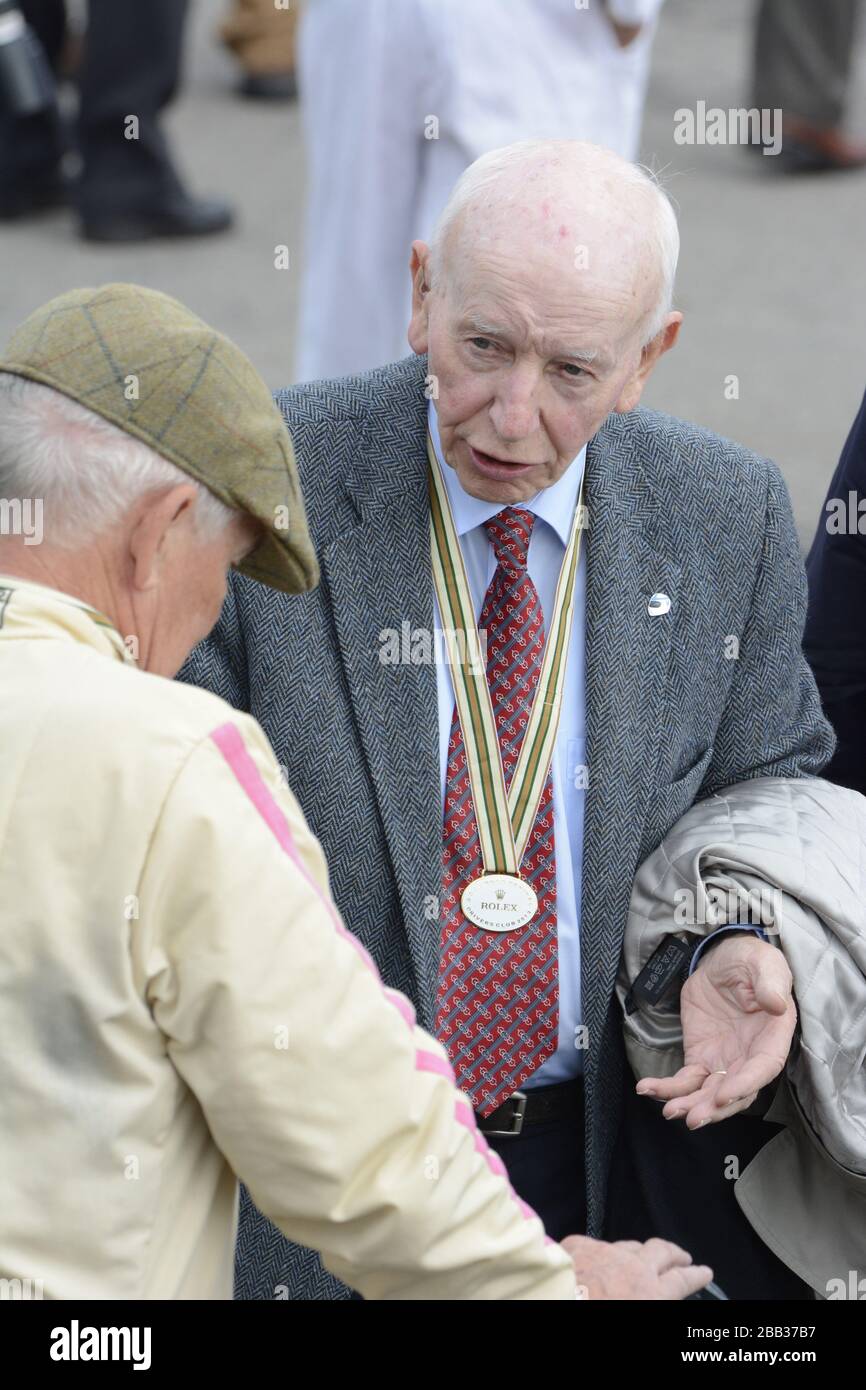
[146, 363]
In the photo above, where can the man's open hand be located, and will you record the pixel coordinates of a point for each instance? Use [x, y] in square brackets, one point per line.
[633, 1269]
[738, 1017]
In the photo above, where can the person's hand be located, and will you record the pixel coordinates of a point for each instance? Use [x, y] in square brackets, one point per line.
[652, 1269]
[738, 1016]
[625, 33]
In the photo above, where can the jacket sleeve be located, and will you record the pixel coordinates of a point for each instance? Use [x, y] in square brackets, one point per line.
[219, 663]
[339, 1114]
[835, 640]
[772, 725]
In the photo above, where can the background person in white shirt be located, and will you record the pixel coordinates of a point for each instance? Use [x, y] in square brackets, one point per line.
[398, 97]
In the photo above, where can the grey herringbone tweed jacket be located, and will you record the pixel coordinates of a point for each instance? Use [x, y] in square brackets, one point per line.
[711, 692]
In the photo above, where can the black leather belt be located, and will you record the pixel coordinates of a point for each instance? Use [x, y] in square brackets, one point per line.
[526, 1108]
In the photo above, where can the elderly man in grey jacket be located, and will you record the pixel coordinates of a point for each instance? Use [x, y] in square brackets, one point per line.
[638, 593]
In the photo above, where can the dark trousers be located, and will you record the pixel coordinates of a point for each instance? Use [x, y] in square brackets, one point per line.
[803, 55]
[546, 1168]
[31, 146]
[131, 68]
[668, 1181]
[665, 1181]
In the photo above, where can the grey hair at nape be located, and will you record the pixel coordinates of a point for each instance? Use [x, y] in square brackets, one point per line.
[488, 173]
[86, 471]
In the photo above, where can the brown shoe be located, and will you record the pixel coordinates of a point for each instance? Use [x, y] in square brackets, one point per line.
[813, 149]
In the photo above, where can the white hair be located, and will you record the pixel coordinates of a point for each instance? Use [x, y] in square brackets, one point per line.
[510, 165]
[87, 471]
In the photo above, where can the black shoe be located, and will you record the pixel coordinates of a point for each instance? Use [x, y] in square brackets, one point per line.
[177, 217]
[815, 150]
[827, 152]
[269, 86]
[44, 193]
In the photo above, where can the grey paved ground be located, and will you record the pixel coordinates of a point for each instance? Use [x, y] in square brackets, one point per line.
[773, 272]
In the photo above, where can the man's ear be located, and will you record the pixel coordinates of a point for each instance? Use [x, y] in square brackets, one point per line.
[661, 343]
[156, 520]
[419, 268]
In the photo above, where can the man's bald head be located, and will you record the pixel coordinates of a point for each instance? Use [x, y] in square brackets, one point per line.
[543, 304]
[582, 204]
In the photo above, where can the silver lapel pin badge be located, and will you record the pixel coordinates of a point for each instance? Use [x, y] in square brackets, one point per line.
[658, 604]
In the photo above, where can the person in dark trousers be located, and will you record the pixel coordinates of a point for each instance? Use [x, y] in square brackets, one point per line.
[128, 189]
[835, 636]
[803, 55]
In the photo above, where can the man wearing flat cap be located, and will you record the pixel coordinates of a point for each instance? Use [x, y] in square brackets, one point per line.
[182, 1005]
[549, 621]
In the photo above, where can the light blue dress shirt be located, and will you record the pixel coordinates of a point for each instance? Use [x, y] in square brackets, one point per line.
[554, 507]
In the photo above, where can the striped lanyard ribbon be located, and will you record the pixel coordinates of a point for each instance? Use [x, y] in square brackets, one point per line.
[504, 818]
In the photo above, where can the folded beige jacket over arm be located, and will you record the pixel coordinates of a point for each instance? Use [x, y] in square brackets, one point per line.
[796, 850]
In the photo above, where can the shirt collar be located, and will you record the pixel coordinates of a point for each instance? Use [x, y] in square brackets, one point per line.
[29, 610]
[554, 504]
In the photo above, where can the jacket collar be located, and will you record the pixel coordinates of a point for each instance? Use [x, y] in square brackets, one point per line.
[32, 611]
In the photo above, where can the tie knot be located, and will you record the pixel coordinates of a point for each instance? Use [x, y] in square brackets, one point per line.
[509, 532]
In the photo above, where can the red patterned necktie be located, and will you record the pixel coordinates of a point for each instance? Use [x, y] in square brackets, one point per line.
[497, 1010]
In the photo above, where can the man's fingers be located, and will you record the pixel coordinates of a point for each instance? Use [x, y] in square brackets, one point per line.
[714, 1100]
[752, 1076]
[700, 1115]
[683, 1083]
[772, 982]
[662, 1255]
[681, 1107]
[625, 33]
[679, 1282]
[677, 1276]
[634, 1269]
[770, 996]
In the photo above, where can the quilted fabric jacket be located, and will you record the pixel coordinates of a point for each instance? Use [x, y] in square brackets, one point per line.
[790, 853]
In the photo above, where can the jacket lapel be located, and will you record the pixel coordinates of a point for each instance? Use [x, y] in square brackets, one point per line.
[380, 583]
[627, 657]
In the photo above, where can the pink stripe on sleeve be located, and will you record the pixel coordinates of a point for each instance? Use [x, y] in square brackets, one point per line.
[230, 743]
[402, 1005]
[465, 1115]
[228, 740]
[428, 1061]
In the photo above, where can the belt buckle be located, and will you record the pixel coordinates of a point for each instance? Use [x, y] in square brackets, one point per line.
[519, 1098]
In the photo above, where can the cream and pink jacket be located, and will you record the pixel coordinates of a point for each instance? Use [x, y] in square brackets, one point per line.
[181, 1007]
